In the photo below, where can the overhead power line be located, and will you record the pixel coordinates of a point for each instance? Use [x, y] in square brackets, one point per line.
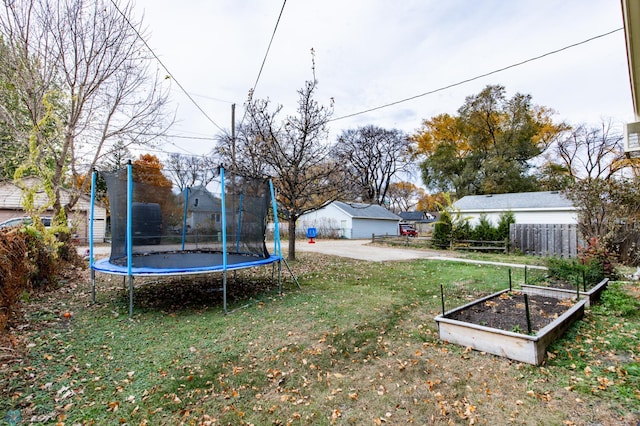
[166, 68]
[264, 60]
[459, 83]
[200, 138]
[273, 34]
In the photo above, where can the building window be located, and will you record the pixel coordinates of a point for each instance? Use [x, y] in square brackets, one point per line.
[195, 202]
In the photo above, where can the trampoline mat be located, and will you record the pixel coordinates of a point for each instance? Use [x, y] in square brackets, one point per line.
[182, 262]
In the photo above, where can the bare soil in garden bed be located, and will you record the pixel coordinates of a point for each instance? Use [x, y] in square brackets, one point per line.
[508, 312]
[563, 284]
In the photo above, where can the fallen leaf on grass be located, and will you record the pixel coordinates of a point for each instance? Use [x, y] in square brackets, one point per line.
[604, 383]
[431, 384]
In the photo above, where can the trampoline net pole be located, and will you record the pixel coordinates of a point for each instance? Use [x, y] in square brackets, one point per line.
[130, 235]
[280, 278]
[223, 221]
[184, 216]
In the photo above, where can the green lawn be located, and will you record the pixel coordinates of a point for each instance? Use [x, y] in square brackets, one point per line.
[357, 344]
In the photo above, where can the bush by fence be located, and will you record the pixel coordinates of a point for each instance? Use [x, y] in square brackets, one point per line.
[27, 263]
[453, 231]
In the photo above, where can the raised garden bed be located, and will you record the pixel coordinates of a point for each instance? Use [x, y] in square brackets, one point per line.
[498, 324]
[564, 290]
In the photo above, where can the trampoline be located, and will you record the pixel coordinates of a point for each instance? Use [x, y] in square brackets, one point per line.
[156, 231]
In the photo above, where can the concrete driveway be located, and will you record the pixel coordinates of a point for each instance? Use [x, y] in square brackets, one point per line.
[363, 250]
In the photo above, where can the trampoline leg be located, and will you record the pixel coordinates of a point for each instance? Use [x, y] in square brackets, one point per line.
[93, 286]
[224, 291]
[291, 272]
[131, 296]
[280, 278]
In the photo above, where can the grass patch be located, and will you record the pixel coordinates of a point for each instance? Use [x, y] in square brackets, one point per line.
[356, 345]
[599, 355]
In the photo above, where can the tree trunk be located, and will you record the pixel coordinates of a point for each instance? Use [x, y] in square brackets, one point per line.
[292, 238]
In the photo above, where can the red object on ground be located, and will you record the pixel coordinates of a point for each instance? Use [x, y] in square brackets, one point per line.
[408, 230]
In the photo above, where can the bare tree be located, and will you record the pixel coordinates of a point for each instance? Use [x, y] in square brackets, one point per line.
[602, 190]
[84, 76]
[244, 153]
[373, 158]
[295, 151]
[115, 157]
[188, 171]
[404, 196]
[591, 152]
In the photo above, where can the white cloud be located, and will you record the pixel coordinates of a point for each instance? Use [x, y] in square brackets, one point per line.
[374, 52]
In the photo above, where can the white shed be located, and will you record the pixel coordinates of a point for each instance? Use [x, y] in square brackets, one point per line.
[352, 220]
[11, 206]
[546, 207]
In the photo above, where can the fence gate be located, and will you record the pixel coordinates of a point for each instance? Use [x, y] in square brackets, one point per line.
[545, 240]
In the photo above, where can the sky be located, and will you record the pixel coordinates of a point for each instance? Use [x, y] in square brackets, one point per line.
[370, 53]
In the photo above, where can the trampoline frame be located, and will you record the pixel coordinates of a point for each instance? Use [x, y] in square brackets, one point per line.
[130, 271]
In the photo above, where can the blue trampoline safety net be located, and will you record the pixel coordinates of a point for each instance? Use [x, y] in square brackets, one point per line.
[171, 231]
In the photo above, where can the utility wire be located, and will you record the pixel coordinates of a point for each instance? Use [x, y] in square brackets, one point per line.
[273, 34]
[199, 138]
[165, 67]
[264, 60]
[459, 83]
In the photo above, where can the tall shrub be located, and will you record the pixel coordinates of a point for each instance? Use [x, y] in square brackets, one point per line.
[14, 272]
[484, 230]
[442, 231]
[27, 263]
[504, 224]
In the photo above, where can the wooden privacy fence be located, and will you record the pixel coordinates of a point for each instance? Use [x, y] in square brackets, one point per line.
[545, 240]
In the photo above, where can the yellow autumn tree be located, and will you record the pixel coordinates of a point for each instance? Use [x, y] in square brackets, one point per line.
[488, 146]
[152, 186]
[404, 196]
[431, 202]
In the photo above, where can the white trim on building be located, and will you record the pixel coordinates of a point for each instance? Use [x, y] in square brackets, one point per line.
[546, 207]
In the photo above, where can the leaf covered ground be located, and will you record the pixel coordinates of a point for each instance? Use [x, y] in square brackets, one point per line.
[357, 344]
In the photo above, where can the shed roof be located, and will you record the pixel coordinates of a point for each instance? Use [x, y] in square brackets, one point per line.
[517, 201]
[366, 211]
[412, 215]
